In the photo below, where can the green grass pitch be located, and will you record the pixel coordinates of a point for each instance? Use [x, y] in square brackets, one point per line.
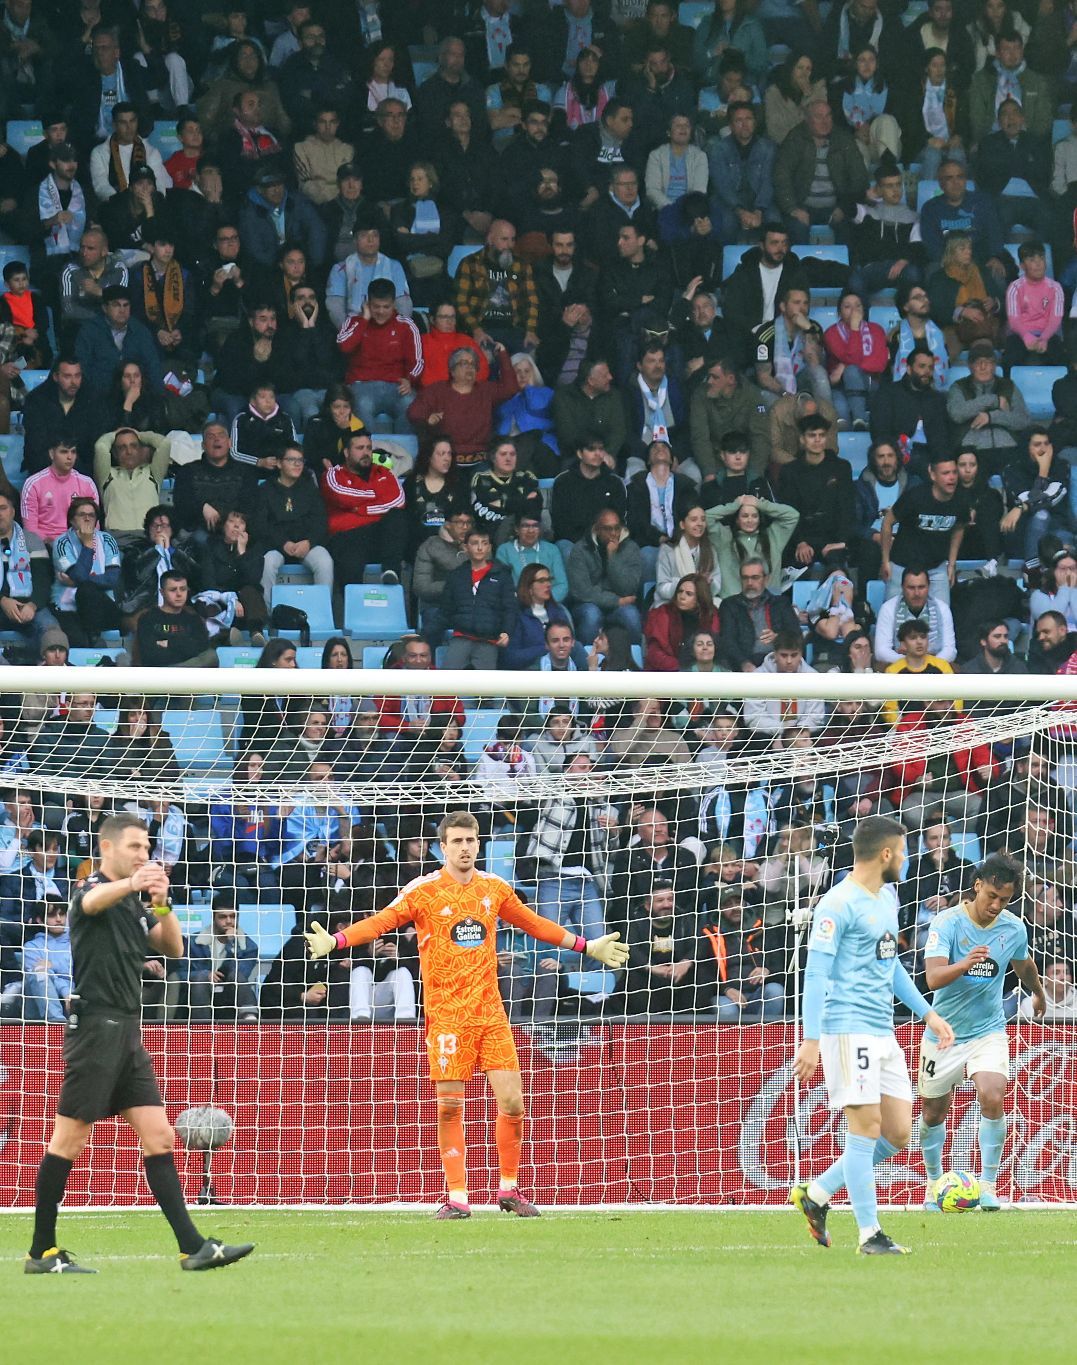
[595, 1287]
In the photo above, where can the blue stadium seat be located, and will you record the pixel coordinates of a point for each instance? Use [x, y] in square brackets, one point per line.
[375, 611]
[637, 655]
[90, 658]
[967, 846]
[313, 598]
[11, 458]
[853, 446]
[373, 656]
[423, 70]
[928, 189]
[14, 253]
[480, 729]
[875, 592]
[1015, 188]
[1036, 383]
[885, 314]
[32, 378]
[22, 134]
[456, 255]
[824, 251]
[165, 138]
[953, 374]
[693, 12]
[501, 858]
[237, 656]
[198, 739]
[731, 259]
[1060, 130]
[709, 100]
[309, 656]
[268, 925]
[803, 592]
[826, 315]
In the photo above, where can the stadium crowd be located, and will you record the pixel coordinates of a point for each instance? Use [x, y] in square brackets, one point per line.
[589, 334]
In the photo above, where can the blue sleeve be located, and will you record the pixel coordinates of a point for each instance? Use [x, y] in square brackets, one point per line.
[906, 992]
[940, 939]
[816, 979]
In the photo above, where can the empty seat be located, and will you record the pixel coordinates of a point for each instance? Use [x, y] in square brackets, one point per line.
[165, 138]
[313, 598]
[198, 739]
[22, 134]
[875, 592]
[501, 858]
[853, 446]
[309, 656]
[886, 315]
[268, 925]
[1060, 129]
[90, 658]
[375, 611]
[457, 254]
[692, 12]
[373, 656]
[32, 378]
[237, 656]
[825, 316]
[11, 448]
[953, 374]
[731, 259]
[1036, 383]
[480, 729]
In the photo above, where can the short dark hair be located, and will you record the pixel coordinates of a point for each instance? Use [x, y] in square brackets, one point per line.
[789, 640]
[908, 628]
[14, 268]
[173, 576]
[114, 825]
[873, 834]
[914, 571]
[999, 869]
[381, 289]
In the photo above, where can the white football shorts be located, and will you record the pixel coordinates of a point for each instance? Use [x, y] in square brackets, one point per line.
[860, 1068]
[941, 1071]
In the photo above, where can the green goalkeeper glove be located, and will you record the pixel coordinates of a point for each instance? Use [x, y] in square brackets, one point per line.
[320, 941]
[608, 950]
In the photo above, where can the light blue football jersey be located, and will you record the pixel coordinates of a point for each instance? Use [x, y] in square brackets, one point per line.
[972, 1005]
[860, 932]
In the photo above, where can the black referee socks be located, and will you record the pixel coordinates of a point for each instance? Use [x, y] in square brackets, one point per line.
[164, 1182]
[48, 1192]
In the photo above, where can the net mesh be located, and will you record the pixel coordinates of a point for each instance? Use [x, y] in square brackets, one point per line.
[702, 832]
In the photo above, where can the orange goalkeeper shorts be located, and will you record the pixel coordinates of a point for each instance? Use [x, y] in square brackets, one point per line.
[457, 1051]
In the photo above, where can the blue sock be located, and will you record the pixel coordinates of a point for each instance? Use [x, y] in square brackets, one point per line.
[932, 1141]
[859, 1162]
[992, 1141]
[884, 1150]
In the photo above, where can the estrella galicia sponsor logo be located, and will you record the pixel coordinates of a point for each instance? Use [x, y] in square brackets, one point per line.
[886, 948]
[986, 970]
[469, 933]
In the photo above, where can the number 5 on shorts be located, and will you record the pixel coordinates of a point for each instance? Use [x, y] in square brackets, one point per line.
[863, 1058]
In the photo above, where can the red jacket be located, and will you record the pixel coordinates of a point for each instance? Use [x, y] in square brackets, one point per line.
[391, 711]
[663, 634]
[353, 501]
[438, 346]
[901, 777]
[388, 351]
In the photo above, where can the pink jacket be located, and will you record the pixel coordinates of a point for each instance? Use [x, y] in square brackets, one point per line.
[1034, 311]
[46, 498]
[866, 348]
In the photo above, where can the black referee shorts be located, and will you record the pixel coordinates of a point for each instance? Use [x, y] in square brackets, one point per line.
[106, 1069]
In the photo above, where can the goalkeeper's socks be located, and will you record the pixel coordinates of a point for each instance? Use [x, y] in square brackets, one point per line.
[992, 1140]
[451, 1147]
[859, 1163]
[509, 1133]
[164, 1182]
[932, 1141]
[48, 1192]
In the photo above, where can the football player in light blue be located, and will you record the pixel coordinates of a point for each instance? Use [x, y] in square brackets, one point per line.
[968, 950]
[851, 979]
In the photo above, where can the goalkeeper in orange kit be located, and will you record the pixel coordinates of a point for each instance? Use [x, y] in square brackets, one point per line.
[455, 912]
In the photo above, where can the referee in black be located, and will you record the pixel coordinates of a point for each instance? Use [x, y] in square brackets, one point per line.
[118, 916]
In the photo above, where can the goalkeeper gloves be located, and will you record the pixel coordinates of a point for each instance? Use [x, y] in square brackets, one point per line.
[608, 950]
[320, 941]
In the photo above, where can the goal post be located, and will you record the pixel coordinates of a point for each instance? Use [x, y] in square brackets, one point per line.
[700, 815]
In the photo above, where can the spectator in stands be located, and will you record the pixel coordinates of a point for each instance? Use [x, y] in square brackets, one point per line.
[527, 547]
[590, 407]
[289, 523]
[662, 970]
[47, 973]
[741, 173]
[878, 487]
[271, 214]
[931, 520]
[86, 568]
[983, 534]
[70, 745]
[172, 634]
[723, 404]
[537, 638]
[987, 409]
[441, 341]
[166, 301]
[129, 469]
[1058, 588]
[461, 410]
[915, 657]
[207, 489]
[1011, 153]
[61, 409]
[263, 431]
[182, 165]
[1034, 312]
[47, 496]
[656, 497]
[959, 209]
[750, 958]
[86, 278]
[885, 236]
[914, 603]
[504, 493]
[479, 605]
[438, 555]
[689, 551]
[56, 209]
[111, 160]
[349, 279]
[323, 441]
[1053, 643]
[496, 298]
[301, 990]
[750, 527]
[25, 576]
[604, 576]
[105, 343]
[856, 357]
[221, 962]
[365, 506]
[916, 330]
[142, 749]
[669, 626]
[1009, 77]
[750, 621]
[819, 174]
[412, 715]
[767, 718]
[311, 76]
[933, 882]
[790, 355]
[996, 655]
[819, 484]
[384, 360]
[650, 857]
[1060, 993]
[909, 414]
[23, 312]
[1037, 490]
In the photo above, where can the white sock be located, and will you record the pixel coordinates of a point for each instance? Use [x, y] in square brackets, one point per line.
[867, 1233]
[504, 1186]
[817, 1194]
[458, 1196]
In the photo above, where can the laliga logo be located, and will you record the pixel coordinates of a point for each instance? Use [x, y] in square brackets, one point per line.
[1043, 1134]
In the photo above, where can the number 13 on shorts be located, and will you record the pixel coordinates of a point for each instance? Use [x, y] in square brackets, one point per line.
[446, 1048]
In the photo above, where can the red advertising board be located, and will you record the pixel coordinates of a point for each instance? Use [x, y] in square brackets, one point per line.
[622, 1114]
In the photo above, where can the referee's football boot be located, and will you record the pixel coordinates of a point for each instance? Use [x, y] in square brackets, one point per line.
[55, 1261]
[878, 1244]
[813, 1212]
[512, 1201]
[211, 1255]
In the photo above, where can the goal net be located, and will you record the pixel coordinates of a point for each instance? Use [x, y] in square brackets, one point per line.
[700, 816]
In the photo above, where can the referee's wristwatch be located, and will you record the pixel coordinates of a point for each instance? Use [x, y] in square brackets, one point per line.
[162, 910]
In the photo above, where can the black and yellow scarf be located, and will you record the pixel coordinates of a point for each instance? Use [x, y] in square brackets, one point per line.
[163, 309]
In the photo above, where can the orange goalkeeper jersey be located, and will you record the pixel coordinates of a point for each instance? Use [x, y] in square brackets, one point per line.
[457, 932]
